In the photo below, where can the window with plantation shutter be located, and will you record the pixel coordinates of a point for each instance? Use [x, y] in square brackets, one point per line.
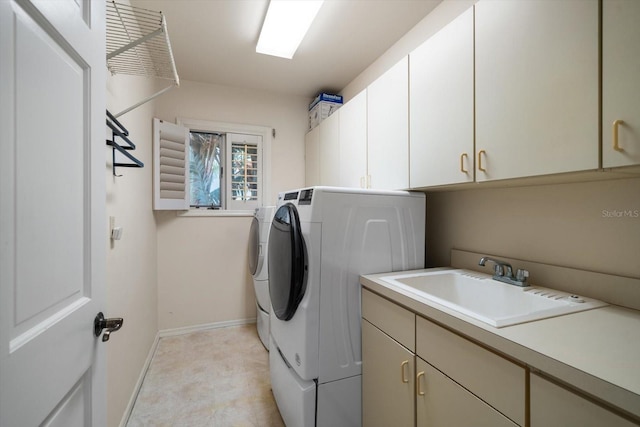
[170, 166]
[206, 167]
[244, 172]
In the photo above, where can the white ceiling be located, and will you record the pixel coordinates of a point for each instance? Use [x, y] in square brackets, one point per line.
[214, 42]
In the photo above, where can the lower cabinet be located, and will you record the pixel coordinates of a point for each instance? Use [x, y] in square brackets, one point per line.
[417, 373]
[555, 406]
[433, 385]
[388, 372]
[443, 402]
[495, 380]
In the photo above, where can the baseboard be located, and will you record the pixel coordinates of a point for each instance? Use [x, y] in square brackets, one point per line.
[152, 351]
[136, 389]
[188, 329]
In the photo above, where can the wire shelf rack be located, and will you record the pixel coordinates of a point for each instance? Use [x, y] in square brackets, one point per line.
[138, 44]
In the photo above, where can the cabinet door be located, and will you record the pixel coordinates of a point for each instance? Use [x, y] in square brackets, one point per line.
[353, 142]
[387, 380]
[441, 107]
[496, 380]
[620, 83]
[312, 157]
[554, 406]
[442, 402]
[388, 129]
[330, 150]
[390, 318]
[536, 87]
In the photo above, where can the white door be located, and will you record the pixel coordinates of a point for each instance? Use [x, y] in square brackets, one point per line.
[52, 212]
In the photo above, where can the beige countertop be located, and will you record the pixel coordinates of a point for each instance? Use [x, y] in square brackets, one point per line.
[596, 351]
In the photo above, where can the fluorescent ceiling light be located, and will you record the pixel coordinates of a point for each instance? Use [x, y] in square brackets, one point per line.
[285, 26]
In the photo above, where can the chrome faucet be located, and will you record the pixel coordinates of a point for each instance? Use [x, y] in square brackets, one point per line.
[503, 272]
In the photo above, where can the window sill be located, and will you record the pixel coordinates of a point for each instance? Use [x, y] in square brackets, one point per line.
[212, 212]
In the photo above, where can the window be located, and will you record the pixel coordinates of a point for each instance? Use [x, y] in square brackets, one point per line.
[210, 155]
[205, 169]
[210, 166]
[245, 182]
[227, 165]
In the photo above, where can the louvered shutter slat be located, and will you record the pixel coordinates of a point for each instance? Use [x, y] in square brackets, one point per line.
[171, 145]
[172, 195]
[174, 186]
[168, 161]
[165, 177]
[172, 154]
[171, 170]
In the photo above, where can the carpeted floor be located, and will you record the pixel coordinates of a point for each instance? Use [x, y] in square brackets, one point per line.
[218, 377]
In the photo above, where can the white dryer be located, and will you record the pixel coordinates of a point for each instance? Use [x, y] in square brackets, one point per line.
[322, 239]
[258, 267]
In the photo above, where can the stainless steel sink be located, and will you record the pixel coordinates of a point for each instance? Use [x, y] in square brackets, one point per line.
[479, 296]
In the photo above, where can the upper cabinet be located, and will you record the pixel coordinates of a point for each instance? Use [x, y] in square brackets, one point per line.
[537, 107]
[620, 83]
[353, 142]
[388, 129]
[312, 157]
[322, 153]
[441, 106]
[330, 150]
[509, 89]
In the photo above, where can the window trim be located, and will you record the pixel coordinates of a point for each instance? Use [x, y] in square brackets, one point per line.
[224, 127]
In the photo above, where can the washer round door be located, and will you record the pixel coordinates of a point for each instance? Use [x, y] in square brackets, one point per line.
[287, 262]
[254, 246]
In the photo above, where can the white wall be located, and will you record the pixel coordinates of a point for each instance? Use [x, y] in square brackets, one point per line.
[131, 261]
[572, 225]
[202, 261]
[203, 270]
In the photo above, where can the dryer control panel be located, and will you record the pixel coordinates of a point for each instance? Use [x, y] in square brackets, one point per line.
[302, 196]
[305, 196]
[291, 196]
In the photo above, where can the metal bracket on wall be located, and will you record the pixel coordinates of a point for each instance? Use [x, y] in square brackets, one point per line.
[117, 130]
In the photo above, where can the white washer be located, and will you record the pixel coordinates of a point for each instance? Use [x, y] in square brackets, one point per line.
[258, 267]
[322, 239]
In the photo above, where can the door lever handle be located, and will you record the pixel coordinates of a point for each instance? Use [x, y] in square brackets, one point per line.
[111, 325]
